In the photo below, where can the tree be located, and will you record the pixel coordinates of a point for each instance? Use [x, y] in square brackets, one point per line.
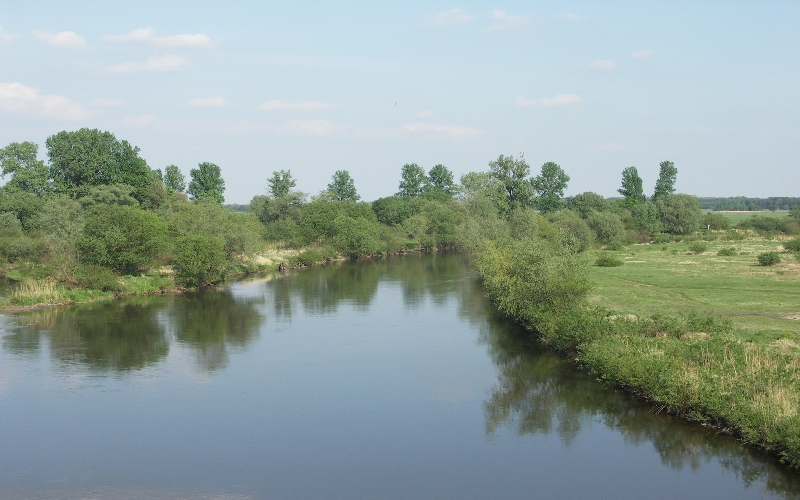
[412, 180]
[28, 174]
[281, 183]
[679, 213]
[632, 187]
[513, 176]
[666, 180]
[588, 202]
[440, 180]
[90, 157]
[207, 183]
[549, 186]
[342, 187]
[174, 179]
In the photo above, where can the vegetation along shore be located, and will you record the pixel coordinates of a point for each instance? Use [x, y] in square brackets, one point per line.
[698, 312]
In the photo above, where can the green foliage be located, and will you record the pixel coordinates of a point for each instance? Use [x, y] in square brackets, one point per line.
[632, 188]
[586, 203]
[125, 239]
[715, 221]
[9, 225]
[646, 218]
[698, 247]
[316, 255]
[22, 248]
[116, 194]
[574, 234]
[241, 233]
[727, 252]
[792, 245]
[607, 227]
[357, 236]
[512, 176]
[96, 277]
[608, 260]
[393, 210]
[794, 213]
[342, 187]
[199, 259]
[679, 213]
[90, 157]
[440, 180]
[24, 205]
[207, 183]
[768, 258]
[666, 180]
[174, 179]
[549, 186]
[412, 180]
[28, 174]
[767, 225]
[281, 183]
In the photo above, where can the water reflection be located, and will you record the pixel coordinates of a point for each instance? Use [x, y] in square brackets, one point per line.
[538, 393]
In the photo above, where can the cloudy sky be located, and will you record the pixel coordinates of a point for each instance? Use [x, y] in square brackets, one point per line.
[319, 86]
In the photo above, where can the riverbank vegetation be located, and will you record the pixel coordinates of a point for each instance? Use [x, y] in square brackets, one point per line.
[695, 311]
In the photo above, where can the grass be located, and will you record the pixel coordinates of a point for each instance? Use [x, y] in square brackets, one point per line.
[670, 279]
[48, 291]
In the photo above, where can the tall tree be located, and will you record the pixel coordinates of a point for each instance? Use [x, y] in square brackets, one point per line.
[28, 174]
[174, 179]
[90, 157]
[281, 183]
[632, 187]
[549, 186]
[207, 183]
[513, 175]
[440, 180]
[412, 180]
[342, 186]
[666, 180]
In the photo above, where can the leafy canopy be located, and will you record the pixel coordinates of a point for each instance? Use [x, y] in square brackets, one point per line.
[342, 187]
[207, 183]
[632, 187]
[549, 186]
[412, 180]
[666, 180]
[174, 179]
[281, 183]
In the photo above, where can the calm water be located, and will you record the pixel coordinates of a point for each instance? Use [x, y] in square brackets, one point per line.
[388, 379]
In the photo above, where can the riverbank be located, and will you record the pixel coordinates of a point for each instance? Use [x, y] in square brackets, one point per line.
[706, 337]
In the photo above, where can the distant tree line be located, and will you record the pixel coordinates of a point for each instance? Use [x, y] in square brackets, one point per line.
[742, 203]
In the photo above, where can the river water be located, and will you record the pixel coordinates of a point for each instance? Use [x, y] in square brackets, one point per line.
[384, 379]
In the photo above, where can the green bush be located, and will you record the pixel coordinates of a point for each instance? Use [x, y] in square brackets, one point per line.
[97, 278]
[607, 260]
[316, 255]
[768, 258]
[573, 232]
[607, 227]
[715, 221]
[792, 245]
[698, 247]
[23, 248]
[727, 252]
[679, 213]
[199, 259]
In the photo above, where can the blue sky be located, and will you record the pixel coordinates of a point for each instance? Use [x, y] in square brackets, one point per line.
[315, 87]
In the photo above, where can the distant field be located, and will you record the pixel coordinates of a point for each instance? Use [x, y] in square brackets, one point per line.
[669, 279]
[738, 216]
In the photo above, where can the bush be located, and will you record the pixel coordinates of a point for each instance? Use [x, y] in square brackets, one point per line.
[573, 232]
[727, 252]
[679, 213]
[316, 255]
[792, 245]
[97, 278]
[608, 260]
[607, 227]
[768, 258]
[10, 225]
[199, 259]
[715, 221]
[698, 247]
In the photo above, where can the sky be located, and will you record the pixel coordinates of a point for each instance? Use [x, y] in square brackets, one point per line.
[315, 87]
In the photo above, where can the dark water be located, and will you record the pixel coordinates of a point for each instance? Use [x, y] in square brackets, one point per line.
[388, 379]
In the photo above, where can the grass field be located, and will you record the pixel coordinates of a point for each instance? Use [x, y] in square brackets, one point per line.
[762, 301]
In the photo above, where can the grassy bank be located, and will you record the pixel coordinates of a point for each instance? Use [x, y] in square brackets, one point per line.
[711, 338]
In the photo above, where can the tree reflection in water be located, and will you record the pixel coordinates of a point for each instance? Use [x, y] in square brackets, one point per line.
[539, 392]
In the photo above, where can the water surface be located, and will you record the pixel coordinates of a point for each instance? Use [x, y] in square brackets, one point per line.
[384, 379]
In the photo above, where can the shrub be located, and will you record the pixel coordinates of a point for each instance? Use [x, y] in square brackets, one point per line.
[97, 278]
[573, 232]
[768, 258]
[679, 213]
[727, 252]
[715, 221]
[9, 225]
[199, 259]
[608, 260]
[792, 245]
[607, 227]
[698, 247]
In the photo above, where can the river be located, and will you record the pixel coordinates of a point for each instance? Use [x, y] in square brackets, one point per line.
[384, 379]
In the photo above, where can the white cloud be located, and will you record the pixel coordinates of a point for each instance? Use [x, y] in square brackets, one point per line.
[445, 130]
[307, 127]
[278, 105]
[424, 114]
[138, 121]
[158, 63]
[641, 54]
[60, 40]
[508, 22]
[148, 35]
[6, 37]
[19, 99]
[109, 103]
[603, 65]
[610, 147]
[558, 100]
[211, 102]
[451, 17]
